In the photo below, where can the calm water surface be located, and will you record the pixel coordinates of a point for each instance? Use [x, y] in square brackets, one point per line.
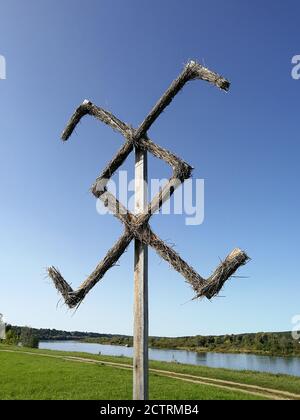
[289, 366]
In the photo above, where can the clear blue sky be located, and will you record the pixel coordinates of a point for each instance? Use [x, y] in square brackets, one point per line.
[245, 144]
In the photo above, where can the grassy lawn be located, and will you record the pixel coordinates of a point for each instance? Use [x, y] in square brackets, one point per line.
[28, 377]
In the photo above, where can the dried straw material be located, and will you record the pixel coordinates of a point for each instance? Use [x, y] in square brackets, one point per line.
[74, 298]
[192, 71]
[236, 259]
[137, 226]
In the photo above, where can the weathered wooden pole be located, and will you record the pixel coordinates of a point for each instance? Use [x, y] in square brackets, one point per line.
[140, 360]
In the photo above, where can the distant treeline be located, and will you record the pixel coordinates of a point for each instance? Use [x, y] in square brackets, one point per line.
[279, 344]
[45, 334]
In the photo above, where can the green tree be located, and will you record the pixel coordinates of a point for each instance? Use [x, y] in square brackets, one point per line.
[28, 339]
[12, 338]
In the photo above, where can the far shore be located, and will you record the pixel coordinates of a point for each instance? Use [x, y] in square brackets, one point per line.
[185, 348]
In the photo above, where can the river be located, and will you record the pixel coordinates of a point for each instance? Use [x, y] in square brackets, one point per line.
[288, 365]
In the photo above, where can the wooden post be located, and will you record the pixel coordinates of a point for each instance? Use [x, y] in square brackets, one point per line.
[140, 360]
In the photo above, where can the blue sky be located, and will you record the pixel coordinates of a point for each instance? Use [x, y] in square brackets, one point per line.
[122, 55]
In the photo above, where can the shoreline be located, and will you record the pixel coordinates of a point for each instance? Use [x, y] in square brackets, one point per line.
[190, 349]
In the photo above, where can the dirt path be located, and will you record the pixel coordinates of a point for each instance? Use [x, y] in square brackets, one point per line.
[258, 391]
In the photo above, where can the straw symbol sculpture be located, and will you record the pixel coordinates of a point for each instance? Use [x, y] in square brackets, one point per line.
[137, 226]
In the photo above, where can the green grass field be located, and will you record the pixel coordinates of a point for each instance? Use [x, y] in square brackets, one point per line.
[52, 377]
